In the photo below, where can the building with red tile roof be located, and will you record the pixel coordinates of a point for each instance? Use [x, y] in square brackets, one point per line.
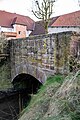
[67, 22]
[18, 26]
[39, 27]
[14, 25]
[71, 19]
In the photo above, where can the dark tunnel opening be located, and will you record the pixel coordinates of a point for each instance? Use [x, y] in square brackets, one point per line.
[26, 82]
[25, 85]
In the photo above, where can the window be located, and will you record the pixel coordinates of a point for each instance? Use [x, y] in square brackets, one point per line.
[19, 32]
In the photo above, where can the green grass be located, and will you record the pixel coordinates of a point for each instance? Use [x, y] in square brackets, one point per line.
[5, 79]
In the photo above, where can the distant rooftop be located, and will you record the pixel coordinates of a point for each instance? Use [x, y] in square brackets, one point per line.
[8, 19]
[39, 27]
[70, 19]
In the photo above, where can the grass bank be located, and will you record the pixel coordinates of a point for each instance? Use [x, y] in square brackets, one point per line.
[57, 99]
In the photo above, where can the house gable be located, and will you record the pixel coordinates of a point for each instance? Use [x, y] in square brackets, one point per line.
[17, 23]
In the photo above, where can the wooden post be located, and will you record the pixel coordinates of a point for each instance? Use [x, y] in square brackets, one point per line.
[20, 106]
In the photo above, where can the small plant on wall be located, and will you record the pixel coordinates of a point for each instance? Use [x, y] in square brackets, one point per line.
[74, 64]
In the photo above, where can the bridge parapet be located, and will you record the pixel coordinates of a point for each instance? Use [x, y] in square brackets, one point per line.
[40, 56]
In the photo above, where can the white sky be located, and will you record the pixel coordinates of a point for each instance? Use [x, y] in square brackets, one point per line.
[24, 7]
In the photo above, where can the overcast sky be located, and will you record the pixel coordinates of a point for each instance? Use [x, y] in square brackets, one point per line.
[24, 7]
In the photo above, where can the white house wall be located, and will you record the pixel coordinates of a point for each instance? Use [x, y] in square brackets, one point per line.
[4, 29]
[28, 33]
[62, 29]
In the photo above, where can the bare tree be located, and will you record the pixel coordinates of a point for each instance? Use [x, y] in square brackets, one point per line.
[79, 2]
[44, 11]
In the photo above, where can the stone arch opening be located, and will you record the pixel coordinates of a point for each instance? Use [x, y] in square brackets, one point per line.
[26, 82]
[26, 85]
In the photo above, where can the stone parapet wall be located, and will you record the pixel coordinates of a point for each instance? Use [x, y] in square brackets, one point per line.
[75, 45]
[47, 53]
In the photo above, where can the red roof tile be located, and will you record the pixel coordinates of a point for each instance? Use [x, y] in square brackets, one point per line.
[8, 19]
[71, 19]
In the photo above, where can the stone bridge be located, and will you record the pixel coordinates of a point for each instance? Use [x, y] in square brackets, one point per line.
[40, 56]
[30, 62]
